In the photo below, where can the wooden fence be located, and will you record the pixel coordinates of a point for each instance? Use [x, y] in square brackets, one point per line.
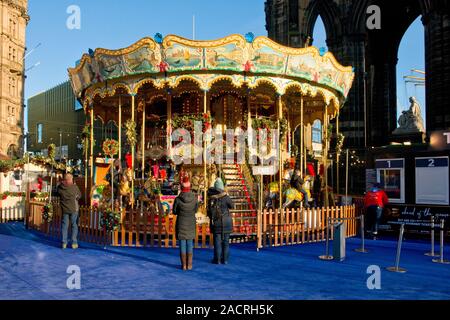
[139, 228]
[298, 226]
[15, 213]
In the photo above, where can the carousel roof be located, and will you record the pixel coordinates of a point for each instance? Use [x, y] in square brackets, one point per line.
[166, 61]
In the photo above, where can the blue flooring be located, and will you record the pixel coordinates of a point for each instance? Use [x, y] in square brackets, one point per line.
[34, 267]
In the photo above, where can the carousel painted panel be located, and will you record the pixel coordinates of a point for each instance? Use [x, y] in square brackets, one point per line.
[111, 66]
[227, 57]
[180, 58]
[268, 60]
[143, 60]
[303, 66]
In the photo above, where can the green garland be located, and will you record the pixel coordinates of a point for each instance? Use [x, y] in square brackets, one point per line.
[47, 212]
[6, 194]
[269, 125]
[130, 131]
[110, 220]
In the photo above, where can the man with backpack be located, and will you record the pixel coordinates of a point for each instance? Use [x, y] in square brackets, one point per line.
[219, 205]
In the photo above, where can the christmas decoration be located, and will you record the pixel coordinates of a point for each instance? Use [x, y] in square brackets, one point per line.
[47, 212]
[110, 220]
[110, 147]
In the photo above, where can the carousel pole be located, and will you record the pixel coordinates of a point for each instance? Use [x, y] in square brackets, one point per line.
[325, 157]
[337, 155]
[169, 123]
[143, 142]
[302, 135]
[133, 98]
[205, 191]
[120, 127]
[92, 146]
[280, 155]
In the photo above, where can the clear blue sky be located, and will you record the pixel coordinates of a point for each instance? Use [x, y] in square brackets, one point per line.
[115, 24]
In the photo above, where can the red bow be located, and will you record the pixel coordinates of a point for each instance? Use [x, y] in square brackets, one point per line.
[248, 66]
[163, 66]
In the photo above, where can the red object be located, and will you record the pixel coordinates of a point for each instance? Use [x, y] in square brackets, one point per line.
[163, 174]
[321, 171]
[185, 185]
[163, 66]
[128, 160]
[40, 183]
[376, 198]
[310, 169]
[248, 66]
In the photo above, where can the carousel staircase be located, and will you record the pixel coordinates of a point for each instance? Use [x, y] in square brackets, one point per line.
[244, 212]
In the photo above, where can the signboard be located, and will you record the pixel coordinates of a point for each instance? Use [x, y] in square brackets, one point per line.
[264, 170]
[432, 186]
[416, 217]
[440, 140]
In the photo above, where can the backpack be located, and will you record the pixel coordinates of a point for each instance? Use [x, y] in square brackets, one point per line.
[216, 211]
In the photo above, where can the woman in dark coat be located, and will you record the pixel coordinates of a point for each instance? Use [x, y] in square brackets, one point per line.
[185, 207]
[221, 221]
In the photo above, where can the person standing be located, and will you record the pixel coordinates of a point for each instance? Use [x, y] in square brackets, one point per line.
[374, 202]
[219, 205]
[69, 194]
[297, 183]
[185, 207]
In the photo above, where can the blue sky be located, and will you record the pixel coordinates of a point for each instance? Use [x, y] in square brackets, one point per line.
[115, 24]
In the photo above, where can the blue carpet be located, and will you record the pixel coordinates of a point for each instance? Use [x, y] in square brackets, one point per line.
[34, 267]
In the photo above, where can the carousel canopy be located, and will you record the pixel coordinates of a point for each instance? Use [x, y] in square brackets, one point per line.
[165, 62]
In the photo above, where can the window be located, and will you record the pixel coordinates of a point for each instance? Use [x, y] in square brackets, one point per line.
[391, 176]
[40, 128]
[317, 132]
[432, 185]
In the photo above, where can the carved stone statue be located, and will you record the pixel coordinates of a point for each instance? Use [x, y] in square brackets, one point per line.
[411, 120]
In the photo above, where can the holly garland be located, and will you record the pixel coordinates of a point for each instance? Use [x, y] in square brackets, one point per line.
[47, 212]
[187, 122]
[51, 151]
[269, 125]
[6, 194]
[110, 147]
[110, 220]
[130, 131]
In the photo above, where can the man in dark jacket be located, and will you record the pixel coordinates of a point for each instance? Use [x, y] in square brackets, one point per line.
[69, 195]
[221, 221]
[185, 207]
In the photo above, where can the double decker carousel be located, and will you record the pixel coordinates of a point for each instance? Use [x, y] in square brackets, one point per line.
[141, 94]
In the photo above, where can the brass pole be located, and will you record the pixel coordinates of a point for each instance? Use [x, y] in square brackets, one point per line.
[337, 155]
[302, 135]
[169, 123]
[133, 95]
[280, 155]
[92, 147]
[325, 157]
[205, 191]
[120, 128]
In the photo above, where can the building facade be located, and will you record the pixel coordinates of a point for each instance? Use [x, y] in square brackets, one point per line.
[13, 23]
[55, 116]
[370, 114]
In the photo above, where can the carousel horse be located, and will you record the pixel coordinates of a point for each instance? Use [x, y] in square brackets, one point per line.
[293, 198]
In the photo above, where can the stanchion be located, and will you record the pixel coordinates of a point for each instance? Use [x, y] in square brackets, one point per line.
[441, 235]
[327, 256]
[362, 249]
[399, 249]
[432, 254]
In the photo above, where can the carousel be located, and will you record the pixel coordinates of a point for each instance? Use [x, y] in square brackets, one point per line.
[142, 94]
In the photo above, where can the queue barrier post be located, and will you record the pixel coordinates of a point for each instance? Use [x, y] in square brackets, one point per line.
[432, 253]
[363, 247]
[441, 260]
[396, 268]
[327, 256]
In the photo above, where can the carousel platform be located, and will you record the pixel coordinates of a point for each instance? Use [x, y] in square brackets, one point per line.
[34, 267]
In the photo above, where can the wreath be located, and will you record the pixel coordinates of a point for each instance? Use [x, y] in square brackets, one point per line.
[130, 131]
[47, 212]
[110, 220]
[110, 147]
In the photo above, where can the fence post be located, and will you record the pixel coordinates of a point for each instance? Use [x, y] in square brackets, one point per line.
[432, 254]
[327, 256]
[362, 249]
